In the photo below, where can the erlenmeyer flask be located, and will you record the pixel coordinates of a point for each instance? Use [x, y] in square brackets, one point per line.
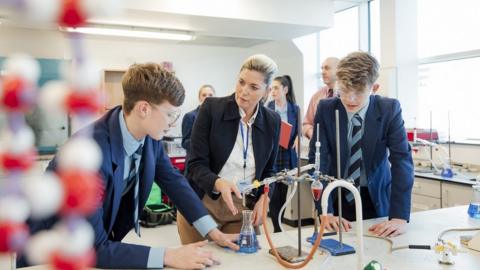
[446, 169]
[474, 207]
[317, 188]
[248, 239]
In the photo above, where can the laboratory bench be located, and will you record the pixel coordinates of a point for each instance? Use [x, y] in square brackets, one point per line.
[432, 191]
[423, 229]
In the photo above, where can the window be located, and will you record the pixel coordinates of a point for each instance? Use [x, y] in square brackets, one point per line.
[449, 57]
[343, 37]
[337, 41]
[374, 28]
[442, 30]
[450, 87]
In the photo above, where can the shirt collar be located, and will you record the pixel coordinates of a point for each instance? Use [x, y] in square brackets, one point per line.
[281, 109]
[252, 119]
[361, 112]
[130, 144]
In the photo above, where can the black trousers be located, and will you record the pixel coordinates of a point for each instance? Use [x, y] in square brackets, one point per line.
[279, 197]
[348, 208]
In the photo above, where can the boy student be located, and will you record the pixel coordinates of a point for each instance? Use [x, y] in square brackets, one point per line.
[133, 157]
[373, 146]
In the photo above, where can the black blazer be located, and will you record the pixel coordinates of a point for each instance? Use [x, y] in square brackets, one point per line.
[213, 137]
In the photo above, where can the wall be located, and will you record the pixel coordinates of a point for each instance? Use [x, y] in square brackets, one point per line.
[399, 73]
[398, 37]
[289, 60]
[194, 65]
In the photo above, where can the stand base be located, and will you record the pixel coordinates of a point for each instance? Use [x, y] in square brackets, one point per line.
[313, 238]
[333, 246]
[290, 254]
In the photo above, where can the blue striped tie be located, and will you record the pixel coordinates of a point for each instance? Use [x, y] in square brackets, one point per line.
[356, 150]
[134, 174]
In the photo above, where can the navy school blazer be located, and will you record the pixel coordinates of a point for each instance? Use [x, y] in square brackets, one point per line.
[213, 137]
[187, 125]
[386, 152]
[110, 222]
[292, 111]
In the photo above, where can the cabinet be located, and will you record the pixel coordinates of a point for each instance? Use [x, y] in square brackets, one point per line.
[306, 203]
[424, 203]
[112, 87]
[426, 195]
[455, 194]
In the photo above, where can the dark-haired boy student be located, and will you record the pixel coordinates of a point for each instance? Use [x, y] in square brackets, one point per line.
[133, 157]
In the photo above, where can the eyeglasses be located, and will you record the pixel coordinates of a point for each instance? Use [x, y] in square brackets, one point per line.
[172, 115]
[352, 94]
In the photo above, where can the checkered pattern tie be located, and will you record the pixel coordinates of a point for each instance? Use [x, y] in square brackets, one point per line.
[134, 176]
[355, 164]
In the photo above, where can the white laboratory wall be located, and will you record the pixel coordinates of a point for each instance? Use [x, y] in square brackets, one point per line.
[398, 38]
[194, 65]
[289, 60]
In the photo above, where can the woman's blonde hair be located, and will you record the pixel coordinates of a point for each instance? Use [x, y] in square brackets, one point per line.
[263, 64]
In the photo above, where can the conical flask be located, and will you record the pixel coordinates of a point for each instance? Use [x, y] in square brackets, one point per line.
[474, 207]
[248, 239]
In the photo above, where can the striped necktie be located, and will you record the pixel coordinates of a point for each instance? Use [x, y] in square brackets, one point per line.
[134, 176]
[355, 164]
[330, 93]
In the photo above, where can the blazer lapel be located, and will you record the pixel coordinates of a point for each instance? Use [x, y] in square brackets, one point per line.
[292, 119]
[343, 119]
[259, 146]
[118, 159]
[230, 126]
[370, 135]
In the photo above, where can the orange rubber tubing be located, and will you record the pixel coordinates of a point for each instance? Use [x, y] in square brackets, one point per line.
[270, 243]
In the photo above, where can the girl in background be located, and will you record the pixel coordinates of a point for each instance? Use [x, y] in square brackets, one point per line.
[285, 105]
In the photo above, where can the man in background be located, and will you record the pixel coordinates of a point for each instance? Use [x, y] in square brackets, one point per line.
[329, 69]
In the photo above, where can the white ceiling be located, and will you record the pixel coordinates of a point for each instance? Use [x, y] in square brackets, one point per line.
[237, 23]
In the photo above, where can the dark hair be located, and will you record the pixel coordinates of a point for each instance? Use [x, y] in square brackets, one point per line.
[286, 81]
[152, 83]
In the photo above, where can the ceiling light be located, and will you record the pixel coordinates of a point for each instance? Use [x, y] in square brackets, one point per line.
[131, 31]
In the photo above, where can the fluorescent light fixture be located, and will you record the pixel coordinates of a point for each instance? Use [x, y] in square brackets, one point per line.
[131, 31]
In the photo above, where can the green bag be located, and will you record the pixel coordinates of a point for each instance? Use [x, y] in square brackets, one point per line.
[155, 211]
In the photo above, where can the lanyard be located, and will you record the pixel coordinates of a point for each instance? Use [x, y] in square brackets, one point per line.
[245, 145]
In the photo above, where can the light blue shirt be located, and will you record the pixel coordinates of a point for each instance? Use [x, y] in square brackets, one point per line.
[282, 111]
[130, 145]
[362, 112]
[203, 225]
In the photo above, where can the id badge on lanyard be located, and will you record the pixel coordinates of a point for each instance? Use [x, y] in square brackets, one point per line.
[242, 183]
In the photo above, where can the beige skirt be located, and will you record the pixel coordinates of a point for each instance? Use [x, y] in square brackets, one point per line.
[226, 221]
